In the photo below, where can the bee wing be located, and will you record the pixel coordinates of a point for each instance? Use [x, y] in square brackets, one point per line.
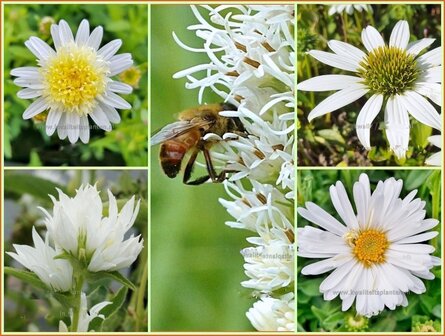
[175, 129]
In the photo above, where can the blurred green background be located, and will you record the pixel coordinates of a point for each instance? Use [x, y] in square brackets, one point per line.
[29, 308]
[126, 144]
[316, 314]
[331, 140]
[196, 263]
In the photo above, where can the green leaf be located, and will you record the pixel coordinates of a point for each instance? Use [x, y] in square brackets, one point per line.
[117, 300]
[331, 135]
[310, 287]
[416, 178]
[18, 184]
[112, 275]
[26, 276]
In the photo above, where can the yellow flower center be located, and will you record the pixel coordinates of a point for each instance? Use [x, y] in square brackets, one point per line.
[73, 79]
[389, 71]
[369, 247]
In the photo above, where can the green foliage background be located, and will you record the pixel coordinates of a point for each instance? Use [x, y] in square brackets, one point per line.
[196, 265]
[331, 139]
[28, 304]
[26, 144]
[315, 314]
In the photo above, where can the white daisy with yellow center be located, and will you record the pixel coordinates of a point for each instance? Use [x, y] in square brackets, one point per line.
[379, 255]
[396, 76]
[74, 81]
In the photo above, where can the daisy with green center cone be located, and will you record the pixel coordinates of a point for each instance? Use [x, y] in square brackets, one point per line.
[395, 75]
[378, 255]
[74, 81]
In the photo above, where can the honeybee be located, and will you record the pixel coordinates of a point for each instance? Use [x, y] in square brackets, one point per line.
[187, 134]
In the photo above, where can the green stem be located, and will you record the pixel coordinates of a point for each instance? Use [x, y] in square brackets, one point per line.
[140, 310]
[78, 295]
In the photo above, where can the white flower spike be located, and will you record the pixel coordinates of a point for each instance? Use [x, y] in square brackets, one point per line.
[396, 76]
[349, 9]
[251, 65]
[74, 81]
[41, 259]
[78, 227]
[378, 255]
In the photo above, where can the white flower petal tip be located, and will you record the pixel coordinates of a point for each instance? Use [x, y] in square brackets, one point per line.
[397, 98]
[436, 158]
[88, 69]
[41, 259]
[105, 237]
[386, 238]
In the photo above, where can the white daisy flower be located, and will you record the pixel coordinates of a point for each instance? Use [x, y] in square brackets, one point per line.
[251, 65]
[394, 75]
[436, 158]
[85, 317]
[377, 255]
[41, 259]
[349, 9]
[271, 314]
[74, 81]
[78, 227]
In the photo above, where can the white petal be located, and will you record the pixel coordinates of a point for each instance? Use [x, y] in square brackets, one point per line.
[432, 75]
[397, 126]
[65, 33]
[114, 100]
[29, 93]
[434, 160]
[108, 50]
[365, 118]
[346, 50]
[100, 119]
[334, 60]
[400, 35]
[27, 72]
[119, 63]
[432, 57]
[72, 125]
[436, 140]
[418, 238]
[319, 216]
[56, 36]
[338, 100]
[84, 129]
[111, 113]
[39, 48]
[328, 83]
[52, 121]
[83, 32]
[414, 48]
[372, 39]
[341, 202]
[95, 38]
[35, 108]
[33, 83]
[326, 265]
[421, 109]
[119, 87]
[432, 91]
[62, 129]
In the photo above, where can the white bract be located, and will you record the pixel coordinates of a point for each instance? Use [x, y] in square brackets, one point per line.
[349, 9]
[74, 81]
[436, 158]
[397, 76]
[251, 65]
[41, 259]
[78, 227]
[85, 317]
[378, 255]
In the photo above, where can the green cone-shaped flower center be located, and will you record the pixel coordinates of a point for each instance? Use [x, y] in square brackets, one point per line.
[389, 71]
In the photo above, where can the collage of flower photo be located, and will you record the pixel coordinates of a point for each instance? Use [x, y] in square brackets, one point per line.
[136, 136]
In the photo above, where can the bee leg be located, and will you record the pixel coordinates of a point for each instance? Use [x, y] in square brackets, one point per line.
[211, 170]
[189, 168]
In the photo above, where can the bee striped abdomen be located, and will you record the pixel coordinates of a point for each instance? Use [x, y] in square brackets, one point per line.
[171, 155]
